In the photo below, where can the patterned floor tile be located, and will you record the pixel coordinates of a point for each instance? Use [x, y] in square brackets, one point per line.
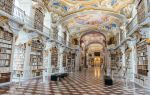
[78, 83]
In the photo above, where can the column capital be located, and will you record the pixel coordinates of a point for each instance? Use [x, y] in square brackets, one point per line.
[131, 43]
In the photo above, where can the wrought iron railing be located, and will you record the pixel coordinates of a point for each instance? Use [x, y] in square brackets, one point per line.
[132, 24]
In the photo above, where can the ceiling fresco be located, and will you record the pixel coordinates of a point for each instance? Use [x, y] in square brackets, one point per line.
[74, 5]
[95, 47]
[92, 37]
[99, 20]
[80, 14]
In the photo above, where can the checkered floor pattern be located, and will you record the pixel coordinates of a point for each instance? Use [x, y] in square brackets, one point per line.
[87, 82]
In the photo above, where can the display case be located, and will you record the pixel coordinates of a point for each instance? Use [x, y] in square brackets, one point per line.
[36, 58]
[6, 40]
[142, 66]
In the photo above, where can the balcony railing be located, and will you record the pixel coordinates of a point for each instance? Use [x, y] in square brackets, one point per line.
[132, 24]
[19, 15]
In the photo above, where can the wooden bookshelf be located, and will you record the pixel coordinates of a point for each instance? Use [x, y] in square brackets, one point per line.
[38, 19]
[142, 66]
[36, 58]
[64, 60]
[6, 5]
[69, 62]
[141, 11]
[148, 3]
[54, 57]
[115, 59]
[6, 40]
[73, 61]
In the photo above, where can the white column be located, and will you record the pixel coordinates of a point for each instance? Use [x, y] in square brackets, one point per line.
[123, 27]
[133, 59]
[27, 74]
[123, 55]
[60, 59]
[47, 62]
[123, 60]
[77, 61]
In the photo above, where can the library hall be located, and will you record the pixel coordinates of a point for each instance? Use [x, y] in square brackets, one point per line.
[74, 47]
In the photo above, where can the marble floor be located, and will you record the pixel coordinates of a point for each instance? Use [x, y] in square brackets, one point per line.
[86, 82]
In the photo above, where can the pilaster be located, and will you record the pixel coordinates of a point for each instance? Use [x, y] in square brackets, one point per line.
[27, 70]
[133, 59]
[60, 59]
[47, 62]
[123, 55]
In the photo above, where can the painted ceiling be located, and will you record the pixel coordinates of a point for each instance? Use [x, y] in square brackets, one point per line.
[80, 22]
[76, 19]
[95, 47]
[73, 5]
[92, 37]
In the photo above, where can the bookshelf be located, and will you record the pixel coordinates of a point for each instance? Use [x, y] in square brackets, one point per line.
[6, 40]
[115, 59]
[36, 58]
[6, 5]
[141, 11]
[73, 60]
[142, 66]
[69, 62]
[148, 3]
[18, 62]
[38, 19]
[64, 60]
[54, 57]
